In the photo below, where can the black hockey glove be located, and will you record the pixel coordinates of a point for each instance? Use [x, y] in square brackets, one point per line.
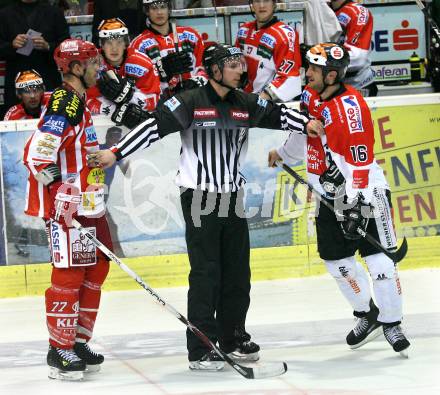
[118, 91]
[174, 63]
[129, 115]
[190, 83]
[356, 217]
[331, 179]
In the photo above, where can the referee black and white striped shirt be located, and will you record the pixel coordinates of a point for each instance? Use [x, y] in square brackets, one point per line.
[214, 134]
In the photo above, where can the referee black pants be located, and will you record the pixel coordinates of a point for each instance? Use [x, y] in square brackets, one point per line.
[219, 280]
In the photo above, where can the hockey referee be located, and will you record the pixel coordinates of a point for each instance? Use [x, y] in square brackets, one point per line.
[213, 122]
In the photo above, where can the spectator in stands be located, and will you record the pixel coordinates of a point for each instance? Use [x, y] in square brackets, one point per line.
[16, 20]
[271, 50]
[29, 88]
[129, 11]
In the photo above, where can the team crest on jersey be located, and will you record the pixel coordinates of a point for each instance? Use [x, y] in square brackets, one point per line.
[201, 113]
[353, 113]
[135, 70]
[327, 116]
[344, 19]
[91, 134]
[305, 97]
[172, 103]
[268, 40]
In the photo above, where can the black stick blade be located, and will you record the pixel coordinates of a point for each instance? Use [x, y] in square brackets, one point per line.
[264, 371]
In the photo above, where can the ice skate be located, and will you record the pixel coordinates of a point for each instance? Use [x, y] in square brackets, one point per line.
[243, 349]
[65, 364]
[367, 328]
[92, 359]
[396, 339]
[210, 362]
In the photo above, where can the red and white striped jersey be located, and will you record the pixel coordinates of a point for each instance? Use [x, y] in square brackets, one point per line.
[357, 26]
[138, 67]
[348, 142]
[156, 46]
[65, 135]
[273, 58]
[18, 112]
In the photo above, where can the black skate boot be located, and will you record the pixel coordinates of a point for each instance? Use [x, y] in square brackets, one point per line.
[243, 350]
[367, 328]
[91, 358]
[394, 335]
[210, 362]
[65, 364]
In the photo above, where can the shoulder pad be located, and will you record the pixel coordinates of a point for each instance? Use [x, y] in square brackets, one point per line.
[67, 104]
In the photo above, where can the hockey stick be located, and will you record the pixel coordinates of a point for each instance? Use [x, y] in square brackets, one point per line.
[258, 372]
[396, 256]
[434, 26]
[176, 42]
[217, 33]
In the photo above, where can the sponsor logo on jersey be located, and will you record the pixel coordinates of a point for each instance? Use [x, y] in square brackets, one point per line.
[147, 44]
[188, 36]
[239, 115]
[172, 103]
[268, 40]
[54, 124]
[200, 113]
[135, 70]
[243, 32]
[353, 113]
[327, 116]
[67, 323]
[96, 176]
[55, 242]
[206, 124]
[91, 136]
[344, 19]
[305, 97]
[83, 250]
[362, 16]
[262, 102]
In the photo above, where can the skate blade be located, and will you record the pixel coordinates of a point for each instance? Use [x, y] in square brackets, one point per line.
[92, 368]
[238, 357]
[213, 366]
[404, 353]
[57, 374]
[377, 332]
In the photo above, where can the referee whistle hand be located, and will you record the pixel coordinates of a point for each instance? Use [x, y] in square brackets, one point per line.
[314, 128]
[273, 157]
[103, 159]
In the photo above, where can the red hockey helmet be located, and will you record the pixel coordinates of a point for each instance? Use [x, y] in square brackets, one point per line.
[73, 49]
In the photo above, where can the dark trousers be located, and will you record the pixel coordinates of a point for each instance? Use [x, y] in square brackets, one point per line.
[219, 279]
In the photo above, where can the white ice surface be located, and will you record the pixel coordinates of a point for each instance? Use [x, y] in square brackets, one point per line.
[301, 321]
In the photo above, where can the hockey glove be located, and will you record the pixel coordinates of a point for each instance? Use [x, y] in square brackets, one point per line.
[129, 115]
[118, 90]
[354, 218]
[174, 63]
[331, 179]
[191, 83]
[65, 198]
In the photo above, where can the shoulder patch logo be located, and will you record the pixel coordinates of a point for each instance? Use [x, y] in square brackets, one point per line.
[344, 19]
[327, 116]
[54, 124]
[172, 103]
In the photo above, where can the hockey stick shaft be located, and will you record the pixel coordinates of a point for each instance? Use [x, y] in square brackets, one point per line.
[434, 25]
[396, 256]
[249, 373]
[176, 41]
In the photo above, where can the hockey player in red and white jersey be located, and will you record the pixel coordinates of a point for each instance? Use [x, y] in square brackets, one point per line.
[342, 167]
[177, 69]
[61, 186]
[271, 50]
[357, 26]
[29, 88]
[136, 79]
